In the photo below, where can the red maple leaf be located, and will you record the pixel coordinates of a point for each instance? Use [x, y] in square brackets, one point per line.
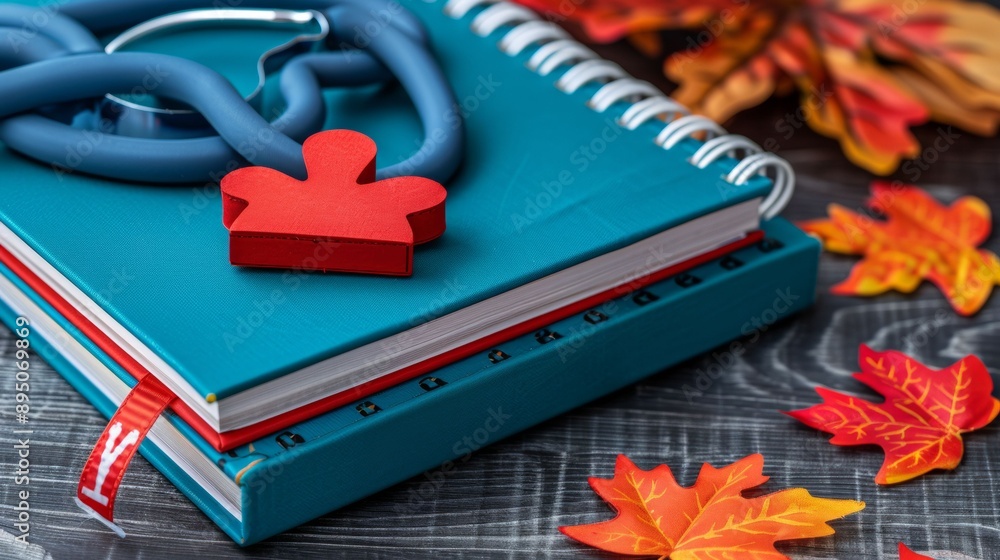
[709, 520]
[921, 422]
[920, 238]
[339, 219]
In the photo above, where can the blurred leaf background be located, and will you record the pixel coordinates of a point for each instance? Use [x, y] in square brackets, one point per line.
[865, 71]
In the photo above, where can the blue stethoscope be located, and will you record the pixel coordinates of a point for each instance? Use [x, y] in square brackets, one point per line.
[49, 69]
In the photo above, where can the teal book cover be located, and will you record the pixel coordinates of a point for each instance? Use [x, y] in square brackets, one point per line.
[546, 182]
[533, 196]
[288, 478]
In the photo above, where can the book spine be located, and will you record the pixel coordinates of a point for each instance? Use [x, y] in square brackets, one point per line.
[484, 398]
[44, 346]
[523, 29]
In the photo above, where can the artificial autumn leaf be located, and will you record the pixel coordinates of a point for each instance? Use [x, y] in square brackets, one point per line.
[920, 239]
[920, 423]
[906, 554]
[706, 521]
[866, 70]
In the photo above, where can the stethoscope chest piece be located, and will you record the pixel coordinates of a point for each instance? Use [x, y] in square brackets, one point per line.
[143, 116]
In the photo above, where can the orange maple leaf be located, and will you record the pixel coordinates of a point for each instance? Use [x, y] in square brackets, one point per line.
[919, 239]
[866, 70]
[921, 422]
[906, 554]
[711, 519]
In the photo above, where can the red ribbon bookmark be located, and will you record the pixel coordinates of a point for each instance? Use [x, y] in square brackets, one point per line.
[104, 469]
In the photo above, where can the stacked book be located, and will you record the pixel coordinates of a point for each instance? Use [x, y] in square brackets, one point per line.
[594, 238]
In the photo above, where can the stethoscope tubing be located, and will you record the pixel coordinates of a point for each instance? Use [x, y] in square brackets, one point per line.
[71, 57]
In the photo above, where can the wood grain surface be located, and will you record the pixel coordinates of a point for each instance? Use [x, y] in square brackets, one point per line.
[508, 500]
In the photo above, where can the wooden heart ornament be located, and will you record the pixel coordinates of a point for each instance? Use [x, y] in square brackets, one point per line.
[339, 219]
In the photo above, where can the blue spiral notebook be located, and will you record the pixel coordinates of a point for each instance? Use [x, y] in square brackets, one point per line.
[561, 197]
[573, 191]
[285, 479]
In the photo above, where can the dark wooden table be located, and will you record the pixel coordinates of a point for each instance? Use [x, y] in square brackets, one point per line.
[508, 500]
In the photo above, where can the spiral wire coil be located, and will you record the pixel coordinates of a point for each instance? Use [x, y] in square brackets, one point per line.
[555, 49]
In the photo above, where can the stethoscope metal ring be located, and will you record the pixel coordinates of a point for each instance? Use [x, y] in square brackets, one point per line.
[154, 118]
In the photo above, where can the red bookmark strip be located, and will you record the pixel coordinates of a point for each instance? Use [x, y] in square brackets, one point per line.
[104, 469]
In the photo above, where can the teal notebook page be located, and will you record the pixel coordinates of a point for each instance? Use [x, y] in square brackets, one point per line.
[546, 183]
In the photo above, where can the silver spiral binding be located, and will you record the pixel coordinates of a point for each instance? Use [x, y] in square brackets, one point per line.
[557, 50]
[550, 56]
